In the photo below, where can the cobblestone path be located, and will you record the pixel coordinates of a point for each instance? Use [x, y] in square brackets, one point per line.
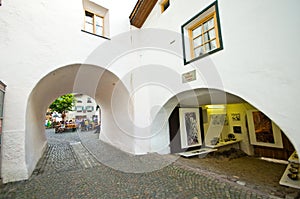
[85, 158]
[64, 153]
[57, 158]
[67, 170]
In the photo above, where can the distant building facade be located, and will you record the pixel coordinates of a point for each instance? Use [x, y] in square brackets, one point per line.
[85, 108]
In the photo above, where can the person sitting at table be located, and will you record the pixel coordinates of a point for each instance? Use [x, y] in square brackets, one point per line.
[59, 128]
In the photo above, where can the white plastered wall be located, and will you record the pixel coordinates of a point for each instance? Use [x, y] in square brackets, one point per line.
[256, 63]
[37, 40]
[38, 37]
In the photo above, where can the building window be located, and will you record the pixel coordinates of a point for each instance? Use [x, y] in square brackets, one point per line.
[94, 23]
[89, 108]
[203, 37]
[202, 34]
[79, 101]
[89, 100]
[164, 5]
[79, 108]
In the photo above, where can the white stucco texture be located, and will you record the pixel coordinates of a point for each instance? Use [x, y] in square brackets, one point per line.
[136, 76]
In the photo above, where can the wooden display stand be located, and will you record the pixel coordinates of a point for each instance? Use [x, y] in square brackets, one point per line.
[285, 179]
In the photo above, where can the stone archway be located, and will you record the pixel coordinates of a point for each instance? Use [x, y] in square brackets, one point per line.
[199, 98]
[91, 80]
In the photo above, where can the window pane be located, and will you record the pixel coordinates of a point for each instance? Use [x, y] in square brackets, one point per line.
[212, 34]
[198, 41]
[199, 51]
[213, 44]
[88, 19]
[99, 20]
[99, 30]
[79, 108]
[207, 48]
[197, 31]
[88, 14]
[210, 23]
[205, 37]
[89, 27]
[205, 26]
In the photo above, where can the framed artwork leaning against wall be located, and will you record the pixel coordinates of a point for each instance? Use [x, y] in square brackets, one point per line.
[190, 132]
[262, 131]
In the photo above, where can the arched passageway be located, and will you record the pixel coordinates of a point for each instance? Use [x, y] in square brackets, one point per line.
[227, 127]
[93, 81]
[219, 115]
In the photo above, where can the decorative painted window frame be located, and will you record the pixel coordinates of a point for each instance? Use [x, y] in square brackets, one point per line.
[200, 18]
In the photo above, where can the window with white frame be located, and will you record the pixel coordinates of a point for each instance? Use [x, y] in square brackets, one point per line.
[89, 108]
[79, 108]
[89, 100]
[202, 34]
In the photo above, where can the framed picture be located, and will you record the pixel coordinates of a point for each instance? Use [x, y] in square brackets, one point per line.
[219, 119]
[190, 134]
[237, 129]
[262, 131]
[235, 117]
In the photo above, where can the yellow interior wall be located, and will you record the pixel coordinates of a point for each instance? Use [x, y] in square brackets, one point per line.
[222, 132]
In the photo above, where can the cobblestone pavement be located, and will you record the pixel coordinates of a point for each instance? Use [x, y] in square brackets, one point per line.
[68, 170]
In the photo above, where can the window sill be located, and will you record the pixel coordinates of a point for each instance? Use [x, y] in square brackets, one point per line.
[202, 56]
[95, 34]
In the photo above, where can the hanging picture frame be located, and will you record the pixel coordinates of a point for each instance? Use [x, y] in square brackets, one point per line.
[236, 117]
[190, 132]
[262, 131]
[237, 129]
[219, 120]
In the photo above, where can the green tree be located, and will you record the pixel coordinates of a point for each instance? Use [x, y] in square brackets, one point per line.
[63, 103]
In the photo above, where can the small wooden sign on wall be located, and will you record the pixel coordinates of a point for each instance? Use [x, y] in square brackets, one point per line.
[189, 76]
